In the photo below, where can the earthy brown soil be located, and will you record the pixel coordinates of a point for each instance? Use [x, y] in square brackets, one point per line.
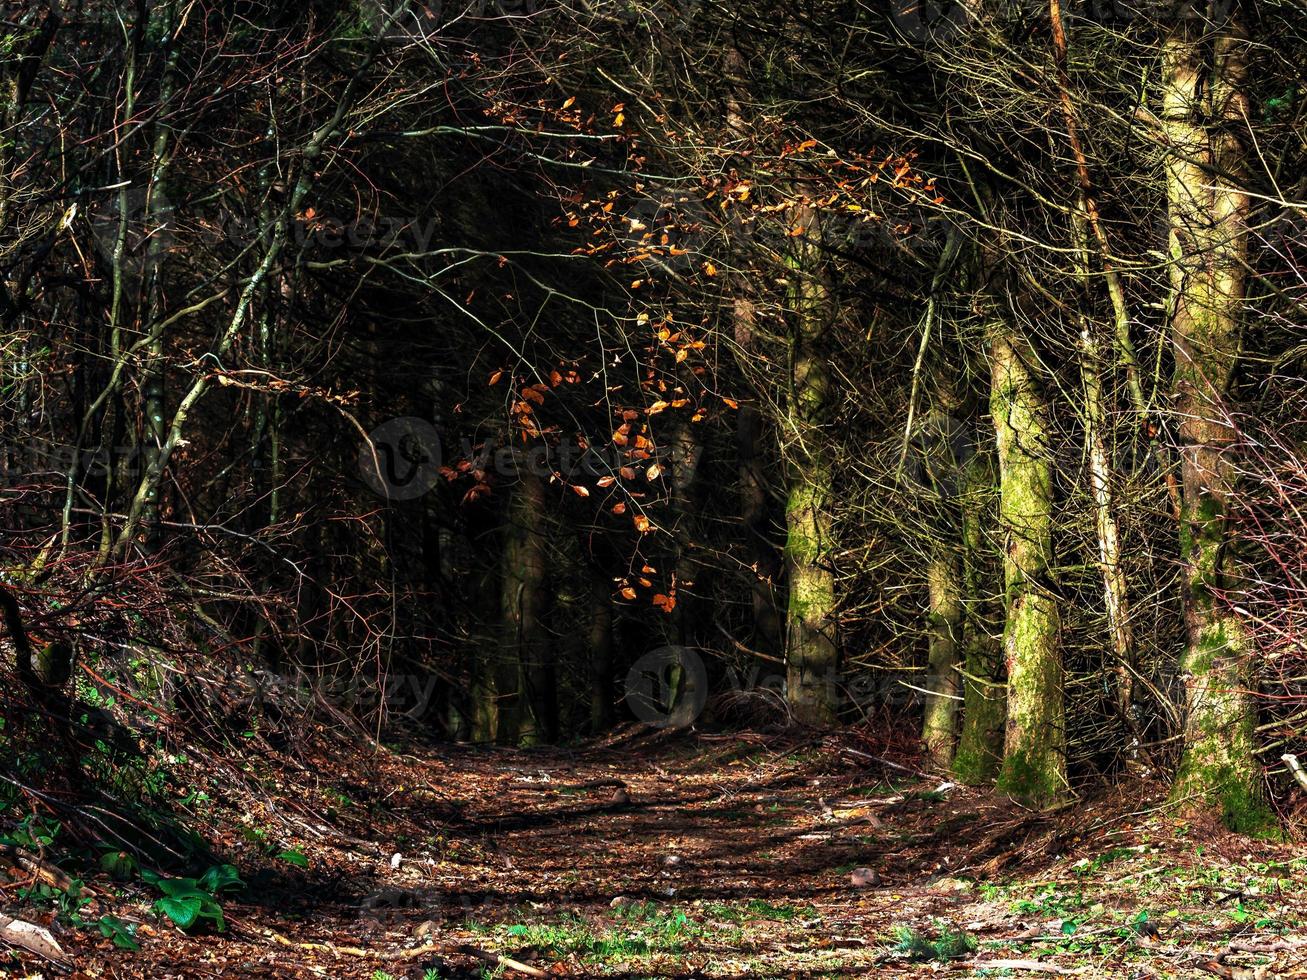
[729, 856]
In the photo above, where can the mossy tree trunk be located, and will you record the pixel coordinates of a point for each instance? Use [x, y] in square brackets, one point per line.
[984, 697]
[1204, 112]
[939, 726]
[811, 651]
[1034, 757]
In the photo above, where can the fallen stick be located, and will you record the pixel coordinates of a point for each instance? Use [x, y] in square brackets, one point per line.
[1033, 966]
[494, 959]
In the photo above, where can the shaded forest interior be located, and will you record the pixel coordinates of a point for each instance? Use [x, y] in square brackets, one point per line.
[904, 399]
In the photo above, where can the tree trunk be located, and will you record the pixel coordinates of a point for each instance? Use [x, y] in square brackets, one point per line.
[601, 653]
[812, 656]
[939, 728]
[524, 597]
[1208, 249]
[1034, 758]
[984, 710]
[755, 506]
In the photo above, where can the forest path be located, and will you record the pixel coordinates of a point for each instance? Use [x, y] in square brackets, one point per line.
[732, 857]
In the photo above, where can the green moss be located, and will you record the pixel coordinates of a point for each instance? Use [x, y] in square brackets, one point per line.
[975, 765]
[1029, 778]
[1241, 805]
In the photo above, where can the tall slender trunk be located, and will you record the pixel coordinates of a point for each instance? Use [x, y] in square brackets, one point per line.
[1085, 224]
[601, 652]
[1034, 757]
[154, 378]
[984, 709]
[755, 505]
[939, 727]
[522, 580]
[812, 655]
[1208, 249]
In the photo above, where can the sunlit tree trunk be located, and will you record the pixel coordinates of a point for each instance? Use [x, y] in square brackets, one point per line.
[1208, 249]
[811, 653]
[1034, 758]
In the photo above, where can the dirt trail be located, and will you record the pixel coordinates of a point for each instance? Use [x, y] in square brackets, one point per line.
[724, 857]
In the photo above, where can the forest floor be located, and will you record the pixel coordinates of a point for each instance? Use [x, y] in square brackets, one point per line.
[734, 856]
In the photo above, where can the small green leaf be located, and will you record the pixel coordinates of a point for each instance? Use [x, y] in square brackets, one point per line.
[122, 933]
[294, 857]
[183, 911]
[220, 876]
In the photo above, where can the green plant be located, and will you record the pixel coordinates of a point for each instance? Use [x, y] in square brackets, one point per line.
[119, 865]
[294, 856]
[188, 901]
[122, 933]
[34, 833]
[947, 943]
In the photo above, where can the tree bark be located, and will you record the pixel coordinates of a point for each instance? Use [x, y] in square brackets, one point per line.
[1208, 249]
[812, 655]
[939, 727]
[984, 709]
[1034, 758]
[524, 597]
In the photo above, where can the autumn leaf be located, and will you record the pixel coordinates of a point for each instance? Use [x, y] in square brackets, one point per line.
[619, 508]
[494, 378]
[641, 523]
[627, 473]
[664, 602]
[580, 491]
[628, 593]
[653, 472]
[658, 406]
[607, 481]
[709, 269]
[731, 402]
[569, 103]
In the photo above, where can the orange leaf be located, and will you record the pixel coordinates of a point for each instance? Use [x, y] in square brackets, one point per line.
[606, 481]
[494, 378]
[628, 593]
[641, 523]
[619, 508]
[627, 473]
[653, 472]
[658, 406]
[580, 491]
[709, 269]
